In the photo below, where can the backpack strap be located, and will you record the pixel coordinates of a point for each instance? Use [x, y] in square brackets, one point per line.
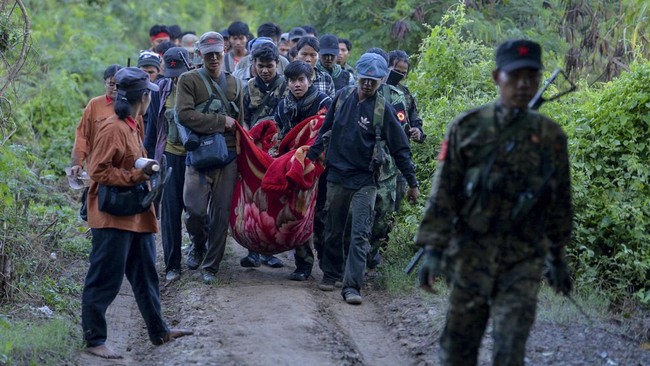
[218, 87]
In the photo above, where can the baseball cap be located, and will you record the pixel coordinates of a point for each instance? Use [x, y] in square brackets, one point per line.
[188, 41]
[174, 64]
[133, 79]
[372, 66]
[296, 33]
[284, 37]
[517, 54]
[148, 58]
[329, 45]
[210, 42]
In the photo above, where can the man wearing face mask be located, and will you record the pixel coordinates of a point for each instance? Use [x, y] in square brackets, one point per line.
[500, 206]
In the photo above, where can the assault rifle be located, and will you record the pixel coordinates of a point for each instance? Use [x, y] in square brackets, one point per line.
[534, 104]
[187, 64]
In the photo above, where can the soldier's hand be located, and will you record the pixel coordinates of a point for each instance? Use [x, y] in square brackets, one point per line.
[559, 278]
[413, 193]
[415, 133]
[431, 268]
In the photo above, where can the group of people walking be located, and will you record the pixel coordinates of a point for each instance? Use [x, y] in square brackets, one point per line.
[188, 87]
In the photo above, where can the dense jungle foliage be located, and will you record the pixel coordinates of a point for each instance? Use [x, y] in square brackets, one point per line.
[602, 45]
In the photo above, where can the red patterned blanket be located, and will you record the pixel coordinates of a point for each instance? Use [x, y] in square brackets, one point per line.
[273, 202]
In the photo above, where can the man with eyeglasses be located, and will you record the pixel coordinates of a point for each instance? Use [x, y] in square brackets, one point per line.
[97, 110]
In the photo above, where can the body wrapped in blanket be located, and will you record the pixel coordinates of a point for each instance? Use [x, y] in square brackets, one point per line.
[274, 198]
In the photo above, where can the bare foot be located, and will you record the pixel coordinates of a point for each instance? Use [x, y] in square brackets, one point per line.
[172, 334]
[103, 351]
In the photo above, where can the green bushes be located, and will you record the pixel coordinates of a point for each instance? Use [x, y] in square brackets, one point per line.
[608, 128]
[611, 184]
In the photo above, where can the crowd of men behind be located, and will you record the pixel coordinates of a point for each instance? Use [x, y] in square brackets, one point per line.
[499, 212]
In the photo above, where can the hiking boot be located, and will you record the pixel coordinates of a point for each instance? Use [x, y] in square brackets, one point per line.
[271, 261]
[194, 259]
[352, 297]
[298, 275]
[251, 260]
[209, 277]
[326, 285]
[338, 284]
[173, 275]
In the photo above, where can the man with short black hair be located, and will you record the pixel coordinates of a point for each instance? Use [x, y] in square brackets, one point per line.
[329, 50]
[262, 94]
[175, 34]
[209, 101]
[303, 101]
[345, 47]
[358, 119]
[158, 34]
[308, 49]
[238, 36]
[265, 32]
[310, 31]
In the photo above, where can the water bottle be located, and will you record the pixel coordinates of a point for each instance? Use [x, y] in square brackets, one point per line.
[143, 162]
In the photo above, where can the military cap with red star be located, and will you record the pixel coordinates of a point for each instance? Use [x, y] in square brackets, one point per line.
[518, 54]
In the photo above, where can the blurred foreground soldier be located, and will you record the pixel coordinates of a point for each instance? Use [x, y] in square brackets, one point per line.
[499, 207]
[123, 239]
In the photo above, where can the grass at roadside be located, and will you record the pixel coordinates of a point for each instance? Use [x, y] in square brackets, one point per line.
[41, 342]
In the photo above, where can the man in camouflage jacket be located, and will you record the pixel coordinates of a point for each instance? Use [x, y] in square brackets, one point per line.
[500, 206]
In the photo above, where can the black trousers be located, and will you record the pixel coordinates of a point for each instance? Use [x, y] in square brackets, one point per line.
[116, 253]
[171, 215]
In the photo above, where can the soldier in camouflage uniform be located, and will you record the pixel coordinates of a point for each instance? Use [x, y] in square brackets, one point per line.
[500, 206]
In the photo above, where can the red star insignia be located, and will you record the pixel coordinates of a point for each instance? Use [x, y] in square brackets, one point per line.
[523, 50]
[172, 63]
[211, 40]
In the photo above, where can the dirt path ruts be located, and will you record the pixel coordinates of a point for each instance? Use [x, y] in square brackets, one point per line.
[258, 317]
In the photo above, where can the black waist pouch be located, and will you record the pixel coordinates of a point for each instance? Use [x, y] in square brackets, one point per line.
[122, 201]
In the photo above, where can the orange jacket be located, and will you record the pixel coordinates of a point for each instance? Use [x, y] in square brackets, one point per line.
[97, 111]
[117, 145]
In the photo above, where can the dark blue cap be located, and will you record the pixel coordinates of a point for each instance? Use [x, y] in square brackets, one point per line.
[133, 79]
[174, 64]
[518, 54]
[372, 66]
[329, 45]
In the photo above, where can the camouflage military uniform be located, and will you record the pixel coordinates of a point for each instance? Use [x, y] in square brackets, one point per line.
[494, 214]
[386, 199]
[261, 100]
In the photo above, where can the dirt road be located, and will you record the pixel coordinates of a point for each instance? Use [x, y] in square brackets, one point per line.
[259, 317]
